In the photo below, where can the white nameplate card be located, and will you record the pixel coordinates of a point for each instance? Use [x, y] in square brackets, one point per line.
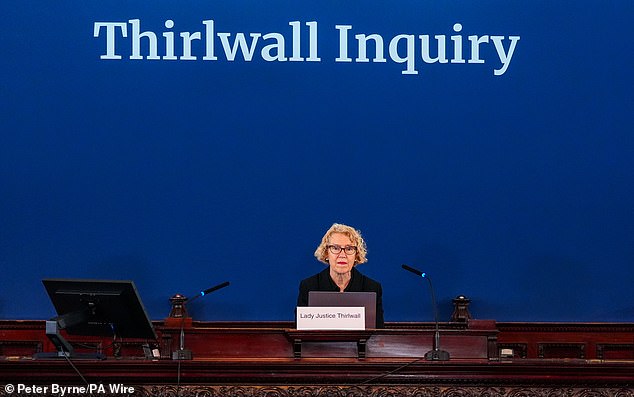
[335, 318]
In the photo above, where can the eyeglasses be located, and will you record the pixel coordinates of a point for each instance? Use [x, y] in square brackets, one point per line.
[336, 249]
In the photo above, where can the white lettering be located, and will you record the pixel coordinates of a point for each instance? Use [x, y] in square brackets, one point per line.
[110, 36]
[241, 42]
[169, 42]
[275, 46]
[94, 388]
[296, 41]
[278, 46]
[32, 389]
[441, 57]
[505, 58]
[120, 389]
[457, 45]
[409, 58]
[136, 41]
[64, 390]
[187, 45]
[378, 48]
[343, 43]
[312, 36]
[475, 48]
[210, 54]
[402, 49]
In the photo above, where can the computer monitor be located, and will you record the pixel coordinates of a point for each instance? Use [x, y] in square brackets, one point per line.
[350, 299]
[98, 308]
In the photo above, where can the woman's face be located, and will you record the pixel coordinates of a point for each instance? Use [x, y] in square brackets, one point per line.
[341, 263]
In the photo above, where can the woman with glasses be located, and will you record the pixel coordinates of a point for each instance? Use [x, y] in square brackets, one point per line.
[342, 248]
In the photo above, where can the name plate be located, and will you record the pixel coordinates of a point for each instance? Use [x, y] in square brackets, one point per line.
[334, 318]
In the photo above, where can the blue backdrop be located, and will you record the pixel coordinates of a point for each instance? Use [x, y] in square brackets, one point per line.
[514, 189]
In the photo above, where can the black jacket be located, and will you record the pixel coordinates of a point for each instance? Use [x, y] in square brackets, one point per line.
[358, 283]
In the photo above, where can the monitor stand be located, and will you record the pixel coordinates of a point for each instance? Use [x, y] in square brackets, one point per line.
[64, 348]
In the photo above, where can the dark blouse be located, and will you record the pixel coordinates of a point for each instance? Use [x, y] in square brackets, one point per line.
[358, 283]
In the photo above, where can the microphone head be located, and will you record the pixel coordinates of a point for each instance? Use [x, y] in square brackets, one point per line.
[415, 271]
[215, 288]
[207, 291]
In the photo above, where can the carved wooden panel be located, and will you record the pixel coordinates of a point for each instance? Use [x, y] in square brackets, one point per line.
[615, 351]
[591, 335]
[562, 350]
[20, 348]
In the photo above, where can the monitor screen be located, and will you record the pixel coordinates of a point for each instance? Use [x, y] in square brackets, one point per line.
[99, 307]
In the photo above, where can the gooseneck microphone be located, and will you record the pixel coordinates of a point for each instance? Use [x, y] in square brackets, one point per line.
[207, 291]
[435, 354]
[182, 353]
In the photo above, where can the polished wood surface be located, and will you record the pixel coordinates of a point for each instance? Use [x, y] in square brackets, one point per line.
[259, 359]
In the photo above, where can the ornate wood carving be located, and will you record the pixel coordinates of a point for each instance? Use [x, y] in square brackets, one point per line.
[360, 391]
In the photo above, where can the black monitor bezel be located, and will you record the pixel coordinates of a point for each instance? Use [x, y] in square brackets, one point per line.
[104, 307]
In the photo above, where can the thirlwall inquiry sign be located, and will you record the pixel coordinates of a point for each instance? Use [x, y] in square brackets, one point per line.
[208, 44]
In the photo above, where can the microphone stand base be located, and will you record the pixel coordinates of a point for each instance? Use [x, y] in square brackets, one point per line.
[437, 355]
[182, 354]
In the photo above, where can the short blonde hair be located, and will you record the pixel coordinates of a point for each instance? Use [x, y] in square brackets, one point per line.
[321, 253]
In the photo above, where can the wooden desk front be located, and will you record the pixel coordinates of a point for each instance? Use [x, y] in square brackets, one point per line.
[258, 359]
